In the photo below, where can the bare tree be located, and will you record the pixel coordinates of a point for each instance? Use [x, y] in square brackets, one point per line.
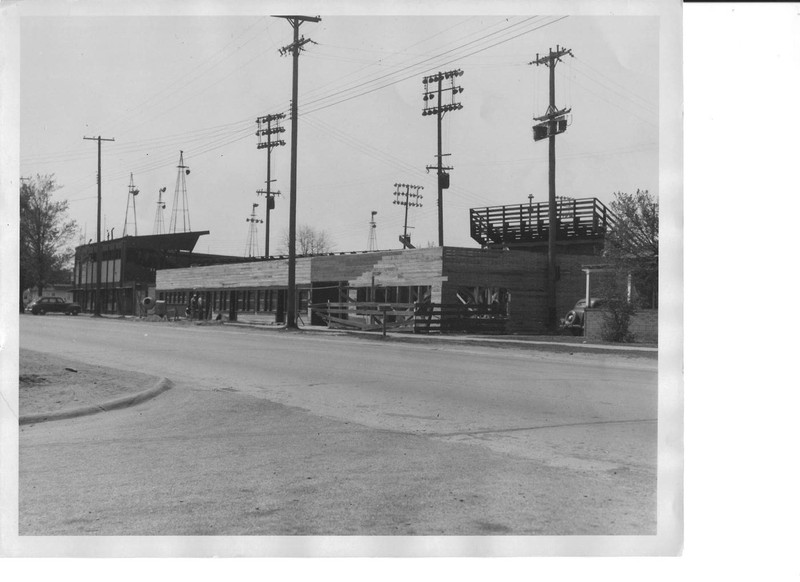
[45, 234]
[309, 241]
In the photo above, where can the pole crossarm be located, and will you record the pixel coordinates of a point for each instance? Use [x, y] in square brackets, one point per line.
[296, 19]
[295, 47]
[552, 114]
[428, 95]
[552, 58]
[437, 167]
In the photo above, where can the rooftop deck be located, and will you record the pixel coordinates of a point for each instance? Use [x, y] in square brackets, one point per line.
[584, 219]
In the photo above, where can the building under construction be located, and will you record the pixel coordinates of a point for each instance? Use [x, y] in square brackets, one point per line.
[500, 287]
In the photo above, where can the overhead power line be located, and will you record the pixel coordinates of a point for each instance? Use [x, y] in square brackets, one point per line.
[410, 76]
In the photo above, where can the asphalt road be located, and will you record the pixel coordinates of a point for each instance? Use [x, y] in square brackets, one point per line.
[276, 433]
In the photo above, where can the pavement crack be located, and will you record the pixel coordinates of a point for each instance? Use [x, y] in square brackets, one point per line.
[540, 427]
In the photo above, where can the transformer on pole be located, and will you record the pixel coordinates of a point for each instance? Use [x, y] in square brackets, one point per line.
[551, 124]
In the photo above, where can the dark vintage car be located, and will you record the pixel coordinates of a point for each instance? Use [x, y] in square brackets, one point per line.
[574, 319]
[53, 305]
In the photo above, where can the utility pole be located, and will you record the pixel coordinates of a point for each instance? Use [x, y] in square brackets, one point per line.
[551, 124]
[269, 132]
[133, 192]
[443, 178]
[294, 49]
[405, 239]
[252, 237]
[97, 288]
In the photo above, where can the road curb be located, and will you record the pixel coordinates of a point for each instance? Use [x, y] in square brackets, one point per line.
[162, 385]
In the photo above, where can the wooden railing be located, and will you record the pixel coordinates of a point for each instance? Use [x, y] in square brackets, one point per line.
[366, 316]
[418, 317]
[584, 218]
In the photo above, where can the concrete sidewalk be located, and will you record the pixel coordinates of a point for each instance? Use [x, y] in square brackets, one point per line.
[563, 342]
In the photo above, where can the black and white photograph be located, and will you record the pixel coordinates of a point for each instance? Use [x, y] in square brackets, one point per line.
[357, 280]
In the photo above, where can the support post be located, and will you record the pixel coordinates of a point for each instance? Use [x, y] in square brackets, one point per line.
[99, 140]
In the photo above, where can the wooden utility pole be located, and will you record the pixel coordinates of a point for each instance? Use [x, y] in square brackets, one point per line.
[294, 49]
[551, 124]
[97, 288]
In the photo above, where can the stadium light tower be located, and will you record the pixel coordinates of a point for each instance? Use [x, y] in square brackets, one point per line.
[252, 236]
[269, 133]
[429, 95]
[411, 199]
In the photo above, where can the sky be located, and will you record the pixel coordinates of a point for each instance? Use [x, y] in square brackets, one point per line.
[162, 84]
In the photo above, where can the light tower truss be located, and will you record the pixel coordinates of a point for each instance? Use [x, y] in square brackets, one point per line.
[158, 223]
[180, 203]
[252, 236]
[133, 192]
[373, 240]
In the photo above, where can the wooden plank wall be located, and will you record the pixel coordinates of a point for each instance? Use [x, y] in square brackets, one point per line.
[524, 274]
[405, 268]
[391, 268]
[257, 274]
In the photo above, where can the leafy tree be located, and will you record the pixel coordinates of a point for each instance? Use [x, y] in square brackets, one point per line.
[45, 234]
[631, 250]
[308, 241]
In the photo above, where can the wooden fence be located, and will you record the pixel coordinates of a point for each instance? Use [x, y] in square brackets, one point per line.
[417, 317]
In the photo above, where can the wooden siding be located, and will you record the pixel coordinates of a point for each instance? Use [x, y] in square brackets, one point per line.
[390, 268]
[258, 274]
[402, 268]
[523, 274]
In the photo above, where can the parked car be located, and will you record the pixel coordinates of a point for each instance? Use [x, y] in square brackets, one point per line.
[53, 305]
[573, 321]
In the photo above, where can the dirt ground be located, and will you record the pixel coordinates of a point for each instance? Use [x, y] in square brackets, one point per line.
[48, 383]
